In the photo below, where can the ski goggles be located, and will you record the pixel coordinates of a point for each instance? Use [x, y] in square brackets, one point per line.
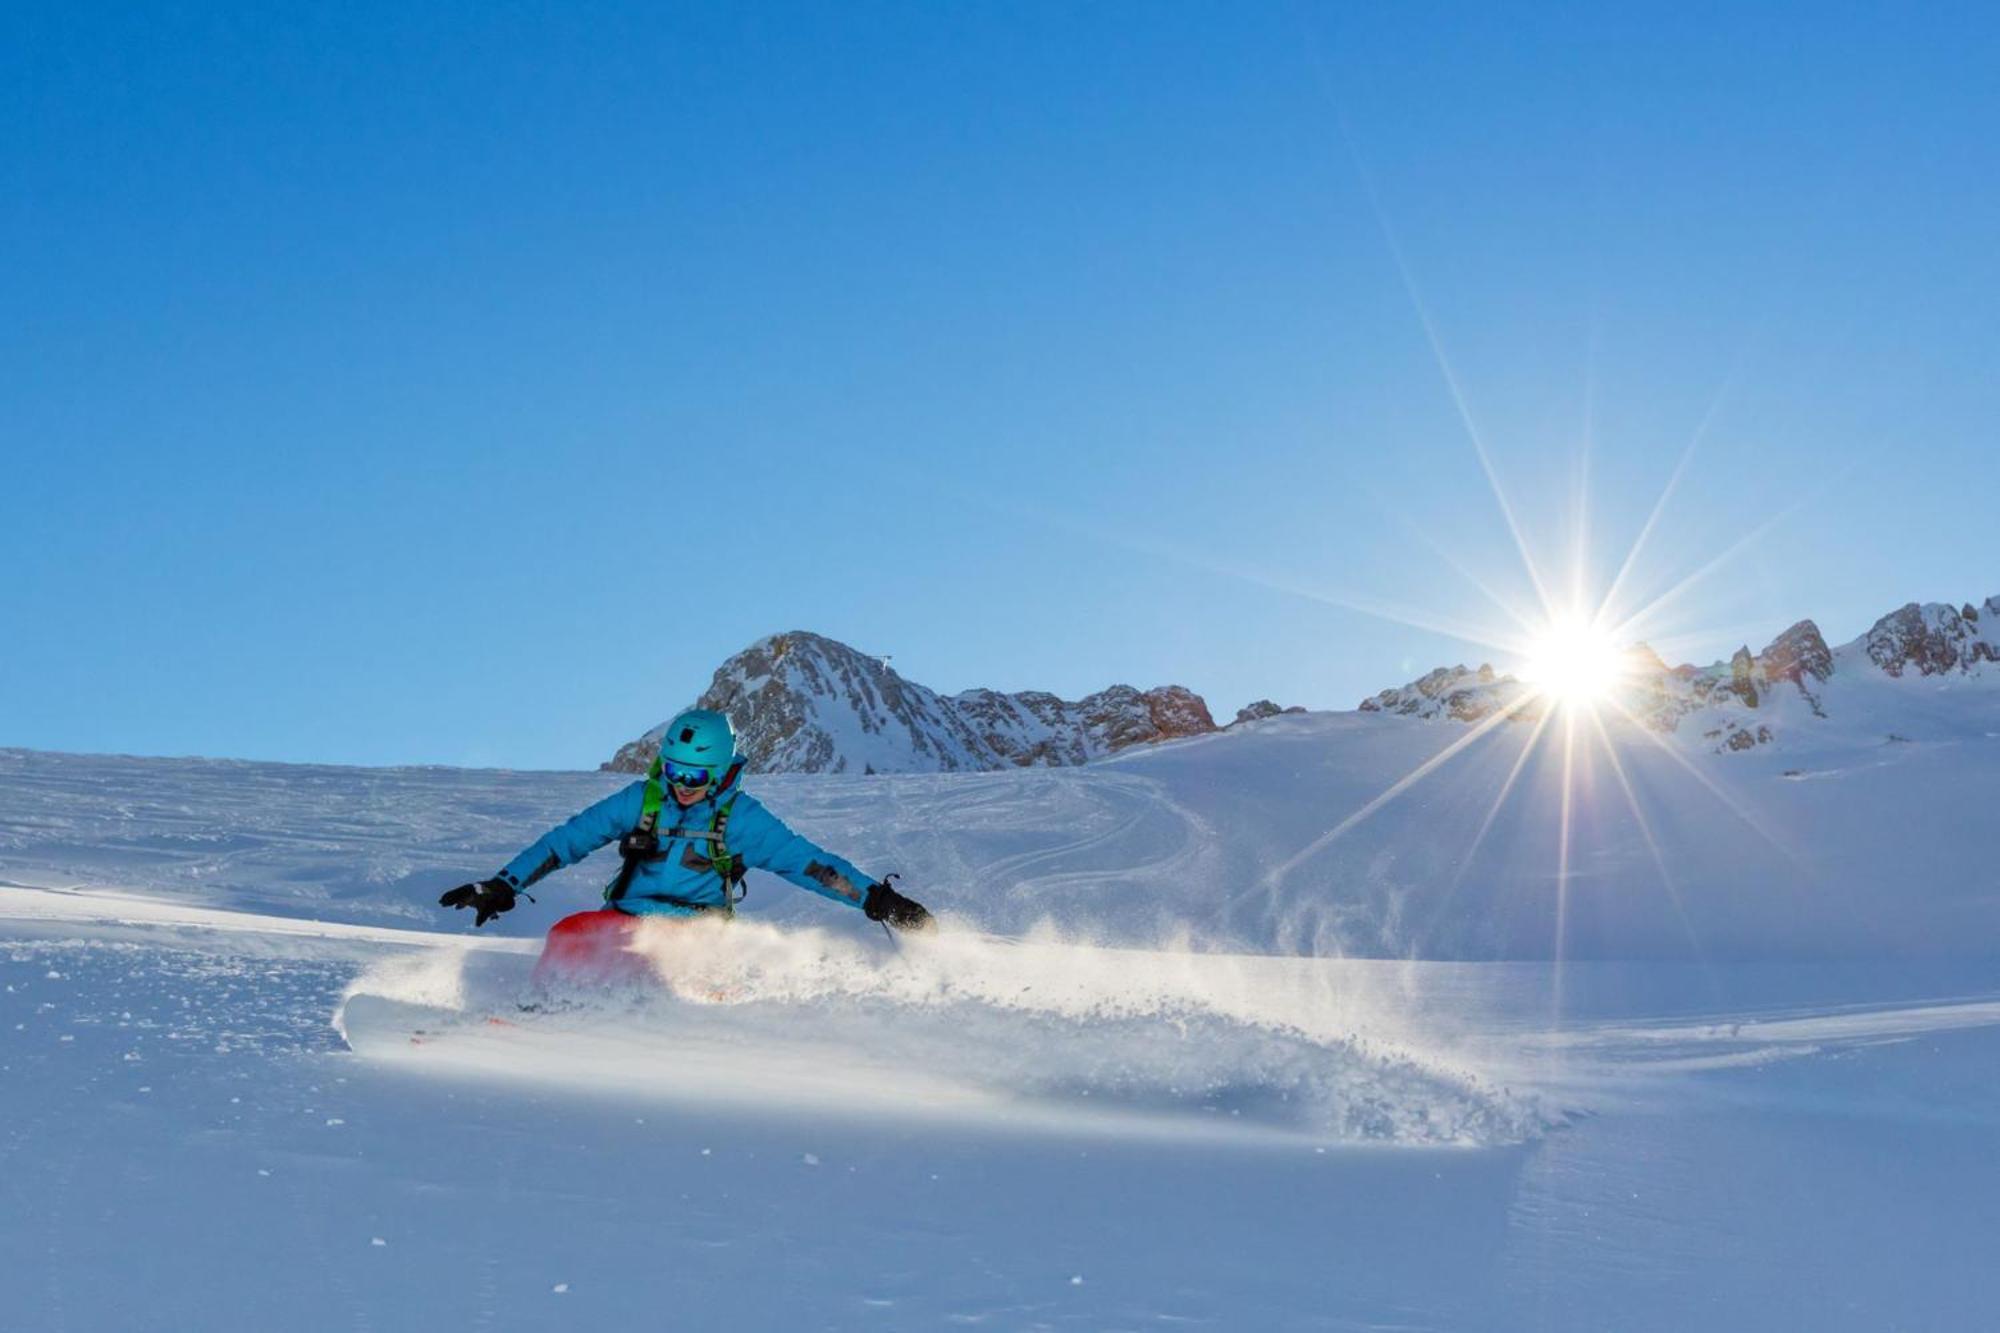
[689, 777]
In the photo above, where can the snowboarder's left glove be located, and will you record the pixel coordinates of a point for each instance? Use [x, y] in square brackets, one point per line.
[490, 897]
[885, 904]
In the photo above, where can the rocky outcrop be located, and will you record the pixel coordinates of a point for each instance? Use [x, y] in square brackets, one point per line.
[1454, 692]
[804, 703]
[1800, 652]
[1261, 709]
[1036, 728]
[1742, 680]
[1934, 640]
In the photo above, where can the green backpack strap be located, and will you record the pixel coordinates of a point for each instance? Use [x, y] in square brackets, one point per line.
[642, 844]
[655, 796]
[727, 864]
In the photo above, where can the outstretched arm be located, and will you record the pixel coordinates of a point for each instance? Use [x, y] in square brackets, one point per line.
[765, 843]
[577, 837]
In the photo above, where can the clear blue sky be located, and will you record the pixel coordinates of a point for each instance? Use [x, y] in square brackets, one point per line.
[462, 383]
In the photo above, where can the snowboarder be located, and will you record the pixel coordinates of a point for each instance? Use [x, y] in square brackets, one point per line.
[694, 867]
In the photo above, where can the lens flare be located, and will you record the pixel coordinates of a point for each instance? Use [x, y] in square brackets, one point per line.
[1574, 663]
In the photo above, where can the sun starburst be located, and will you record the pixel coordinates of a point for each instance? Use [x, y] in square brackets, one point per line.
[1574, 663]
[1579, 662]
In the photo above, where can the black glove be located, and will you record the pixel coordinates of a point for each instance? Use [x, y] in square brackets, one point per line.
[490, 896]
[885, 904]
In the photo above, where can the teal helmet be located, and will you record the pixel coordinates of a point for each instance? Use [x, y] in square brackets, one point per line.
[699, 738]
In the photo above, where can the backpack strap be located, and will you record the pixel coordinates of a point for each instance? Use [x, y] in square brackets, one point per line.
[727, 863]
[655, 796]
[642, 844]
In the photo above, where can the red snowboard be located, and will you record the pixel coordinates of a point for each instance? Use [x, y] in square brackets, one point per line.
[592, 948]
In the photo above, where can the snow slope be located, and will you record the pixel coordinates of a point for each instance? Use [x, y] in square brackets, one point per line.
[187, 1144]
[1269, 837]
[1775, 1104]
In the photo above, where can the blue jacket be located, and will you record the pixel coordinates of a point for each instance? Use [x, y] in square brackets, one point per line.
[683, 871]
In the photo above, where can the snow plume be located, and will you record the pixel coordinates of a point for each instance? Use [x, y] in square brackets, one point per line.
[1036, 1034]
[431, 978]
[455, 978]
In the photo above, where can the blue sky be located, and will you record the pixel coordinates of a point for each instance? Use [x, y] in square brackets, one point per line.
[462, 383]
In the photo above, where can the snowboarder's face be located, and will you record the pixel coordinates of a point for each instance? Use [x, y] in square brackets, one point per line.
[688, 784]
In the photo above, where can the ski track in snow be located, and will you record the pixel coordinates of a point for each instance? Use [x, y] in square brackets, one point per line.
[1036, 1036]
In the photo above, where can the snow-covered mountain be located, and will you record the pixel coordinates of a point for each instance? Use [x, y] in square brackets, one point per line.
[1752, 699]
[804, 703]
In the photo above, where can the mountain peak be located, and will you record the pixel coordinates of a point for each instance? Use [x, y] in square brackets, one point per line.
[805, 703]
[1934, 639]
[1799, 652]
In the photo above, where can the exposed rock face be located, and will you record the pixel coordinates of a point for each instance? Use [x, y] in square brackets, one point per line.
[1742, 680]
[1452, 692]
[803, 703]
[1731, 701]
[1799, 652]
[1260, 710]
[1739, 737]
[1036, 728]
[1934, 640]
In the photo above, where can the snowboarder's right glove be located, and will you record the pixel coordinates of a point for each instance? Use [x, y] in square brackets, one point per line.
[885, 904]
[490, 897]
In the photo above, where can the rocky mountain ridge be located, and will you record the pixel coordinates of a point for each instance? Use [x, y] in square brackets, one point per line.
[1738, 704]
[804, 703]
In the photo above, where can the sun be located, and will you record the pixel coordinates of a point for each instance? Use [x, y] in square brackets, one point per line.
[1574, 663]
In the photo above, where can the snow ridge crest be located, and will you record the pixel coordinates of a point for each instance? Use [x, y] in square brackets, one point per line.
[1741, 703]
